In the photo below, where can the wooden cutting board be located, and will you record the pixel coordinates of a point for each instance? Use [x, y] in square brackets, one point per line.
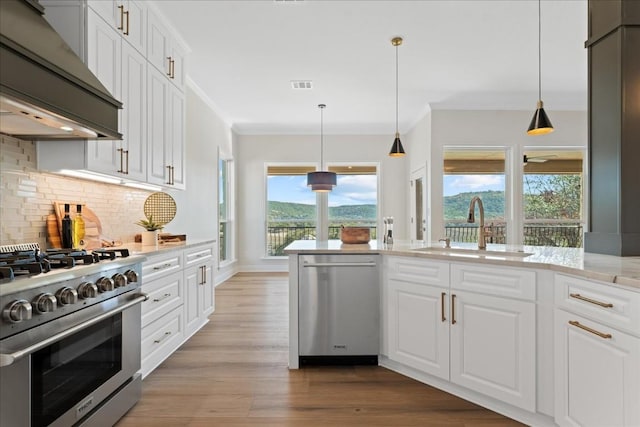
[92, 226]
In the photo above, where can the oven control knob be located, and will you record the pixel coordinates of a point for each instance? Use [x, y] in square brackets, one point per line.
[132, 276]
[45, 303]
[119, 280]
[17, 311]
[67, 296]
[87, 290]
[105, 284]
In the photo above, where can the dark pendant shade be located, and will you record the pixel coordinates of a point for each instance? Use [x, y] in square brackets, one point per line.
[540, 123]
[321, 181]
[397, 150]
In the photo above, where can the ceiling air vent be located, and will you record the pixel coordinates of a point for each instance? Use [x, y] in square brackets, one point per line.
[301, 84]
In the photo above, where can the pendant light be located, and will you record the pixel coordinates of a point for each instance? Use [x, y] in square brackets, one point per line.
[540, 123]
[397, 150]
[321, 181]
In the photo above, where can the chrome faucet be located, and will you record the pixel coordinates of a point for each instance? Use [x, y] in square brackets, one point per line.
[472, 218]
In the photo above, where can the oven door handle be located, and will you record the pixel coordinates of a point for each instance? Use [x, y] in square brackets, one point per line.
[8, 359]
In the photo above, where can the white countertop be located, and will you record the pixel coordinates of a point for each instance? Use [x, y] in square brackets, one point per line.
[139, 249]
[622, 271]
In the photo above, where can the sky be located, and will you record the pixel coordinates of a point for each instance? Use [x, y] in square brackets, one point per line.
[351, 190]
[456, 184]
[361, 189]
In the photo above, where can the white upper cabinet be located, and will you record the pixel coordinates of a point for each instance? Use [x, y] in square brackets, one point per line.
[128, 17]
[165, 51]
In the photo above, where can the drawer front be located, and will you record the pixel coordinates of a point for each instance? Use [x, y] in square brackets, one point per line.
[161, 265]
[161, 338]
[497, 280]
[419, 271]
[198, 255]
[599, 301]
[165, 294]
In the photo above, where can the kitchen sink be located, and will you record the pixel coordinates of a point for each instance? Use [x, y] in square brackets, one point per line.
[474, 253]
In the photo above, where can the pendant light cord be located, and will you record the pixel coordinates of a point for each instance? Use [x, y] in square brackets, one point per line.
[321, 106]
[539, 54]
[396, 89]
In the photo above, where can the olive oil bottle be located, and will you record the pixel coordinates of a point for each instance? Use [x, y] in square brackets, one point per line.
[78, 229]
[67, 239]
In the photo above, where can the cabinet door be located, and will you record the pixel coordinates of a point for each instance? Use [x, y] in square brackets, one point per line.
[493, 347]
[175, 142]
[208, 292]
[158, 44]
[135, 24]
[597, 378]
[108, 11]
[104, 53]
[134, 114]
[418, 327]
[193, 299]
[157, 126]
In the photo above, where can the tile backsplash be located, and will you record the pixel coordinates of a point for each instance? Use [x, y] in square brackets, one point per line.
[27, 197]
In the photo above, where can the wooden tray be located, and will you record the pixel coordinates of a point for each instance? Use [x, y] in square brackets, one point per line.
[355, 235]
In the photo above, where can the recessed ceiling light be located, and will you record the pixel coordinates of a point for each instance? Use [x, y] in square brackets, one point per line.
[66, 128]
[301, 84]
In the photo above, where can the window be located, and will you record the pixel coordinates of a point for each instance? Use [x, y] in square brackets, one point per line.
[293, 210]
[552, 198]
[354, 201]
[291, 207]
[225, 212]
[470, 173]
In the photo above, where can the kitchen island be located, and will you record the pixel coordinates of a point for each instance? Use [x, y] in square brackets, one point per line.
[501, 327]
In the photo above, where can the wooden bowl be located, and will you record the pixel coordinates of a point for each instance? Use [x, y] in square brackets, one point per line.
[355, 235]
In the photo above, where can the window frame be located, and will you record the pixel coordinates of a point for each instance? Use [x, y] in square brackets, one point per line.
[226, 249]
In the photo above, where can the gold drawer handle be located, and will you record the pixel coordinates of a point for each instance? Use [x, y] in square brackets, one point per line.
[165, 296]
[162, 267]
[588, 329]
[159, 340]
[592, 301]
[443, 295]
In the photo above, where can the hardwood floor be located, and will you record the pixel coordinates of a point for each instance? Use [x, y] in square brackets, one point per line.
[234, 373]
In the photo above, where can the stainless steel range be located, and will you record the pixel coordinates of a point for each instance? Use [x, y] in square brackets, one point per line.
[69, 336]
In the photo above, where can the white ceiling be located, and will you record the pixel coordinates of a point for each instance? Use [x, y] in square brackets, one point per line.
[457, 54]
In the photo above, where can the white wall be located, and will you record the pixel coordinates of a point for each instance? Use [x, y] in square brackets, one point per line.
[501, 129]
[254, 151]
[205, 134]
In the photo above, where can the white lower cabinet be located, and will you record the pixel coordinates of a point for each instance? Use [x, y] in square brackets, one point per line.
[199, 299]
[180, 289]
[597, 362]
[480, 341]
[493, 347]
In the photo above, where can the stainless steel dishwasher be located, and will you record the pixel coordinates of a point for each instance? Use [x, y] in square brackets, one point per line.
[339, 309]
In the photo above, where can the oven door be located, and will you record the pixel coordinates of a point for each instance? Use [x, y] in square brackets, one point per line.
[61, 378]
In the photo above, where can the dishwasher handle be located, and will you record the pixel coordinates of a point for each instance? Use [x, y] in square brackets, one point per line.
[340, 264]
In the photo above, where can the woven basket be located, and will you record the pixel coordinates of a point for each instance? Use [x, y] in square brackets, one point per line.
[355, 235]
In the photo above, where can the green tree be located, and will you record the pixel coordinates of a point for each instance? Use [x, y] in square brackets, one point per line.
[552, 196]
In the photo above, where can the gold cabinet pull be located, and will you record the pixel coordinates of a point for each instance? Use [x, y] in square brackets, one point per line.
[126, 32]
[442, 297]
[588, 329]
[172, 68]
[168, 175]
[169, 72]
[121, 26]
[453, 309]
[162, 338]
[592, 301]
[126, 152]
[121, 151]
[173, 175]
[165, 296]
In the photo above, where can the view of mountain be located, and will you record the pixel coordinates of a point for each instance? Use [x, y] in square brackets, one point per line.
[455, 208]
[284, 211]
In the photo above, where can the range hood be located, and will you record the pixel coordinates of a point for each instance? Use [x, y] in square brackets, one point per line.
[46, 91]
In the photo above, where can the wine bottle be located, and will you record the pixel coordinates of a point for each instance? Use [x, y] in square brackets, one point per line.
[67, 239]
[78, 229]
